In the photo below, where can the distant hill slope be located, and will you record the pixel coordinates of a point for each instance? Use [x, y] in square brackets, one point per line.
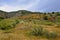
[3, 14]
[14, 13]
[21, 13]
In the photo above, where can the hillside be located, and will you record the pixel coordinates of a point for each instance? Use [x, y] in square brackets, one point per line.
[14, 13]
[22, 12]
[26, 25]
[3, 14]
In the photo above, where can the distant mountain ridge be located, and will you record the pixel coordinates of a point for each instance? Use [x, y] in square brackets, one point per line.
[19, 13]
[12, 14]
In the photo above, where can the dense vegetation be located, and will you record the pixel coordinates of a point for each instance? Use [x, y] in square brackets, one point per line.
[37, 24]
[8, 24]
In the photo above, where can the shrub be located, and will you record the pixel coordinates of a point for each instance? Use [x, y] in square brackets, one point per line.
[8, 24]
[17, 21]
[45, 18]
[38, 31]
[49, 23]
[50, 35]
[1, 18]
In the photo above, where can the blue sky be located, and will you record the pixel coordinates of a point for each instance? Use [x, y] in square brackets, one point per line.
[31, 5]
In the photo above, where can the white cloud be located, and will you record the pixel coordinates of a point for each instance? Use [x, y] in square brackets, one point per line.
[11, 8]
[8, 8]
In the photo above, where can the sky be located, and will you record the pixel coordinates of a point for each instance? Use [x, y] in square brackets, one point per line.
[30, 5]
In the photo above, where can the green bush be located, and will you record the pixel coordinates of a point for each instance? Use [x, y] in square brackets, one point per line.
[50, 35]
[49, 23]
[38, 31]
[8, 24]
[1, 18]
[17, 21]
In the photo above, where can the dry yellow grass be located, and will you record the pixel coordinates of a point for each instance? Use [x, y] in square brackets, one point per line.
[19, 32]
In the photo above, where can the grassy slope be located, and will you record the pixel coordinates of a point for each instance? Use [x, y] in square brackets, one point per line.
[19, 32]
[21, 29]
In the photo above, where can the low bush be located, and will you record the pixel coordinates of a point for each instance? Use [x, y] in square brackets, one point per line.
[8, 24]
[39, 31]
[1, 18]
[50, 35]
[49, 23]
